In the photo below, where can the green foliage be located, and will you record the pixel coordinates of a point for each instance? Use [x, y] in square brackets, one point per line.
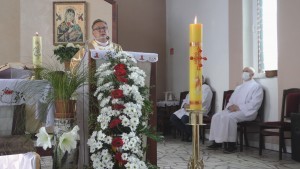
[64, 84]
[65, 52]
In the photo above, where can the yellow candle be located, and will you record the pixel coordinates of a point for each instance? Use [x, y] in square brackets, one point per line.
[37, 50]
[195, 77]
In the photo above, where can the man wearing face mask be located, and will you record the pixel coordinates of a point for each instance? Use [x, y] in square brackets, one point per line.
[242, 106]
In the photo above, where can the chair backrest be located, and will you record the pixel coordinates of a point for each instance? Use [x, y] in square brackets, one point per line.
[182, 97]
[212, 104]
[290, 102]
[261, 110]
[226, 96]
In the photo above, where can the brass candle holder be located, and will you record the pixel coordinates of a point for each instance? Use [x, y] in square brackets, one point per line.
[196, 119]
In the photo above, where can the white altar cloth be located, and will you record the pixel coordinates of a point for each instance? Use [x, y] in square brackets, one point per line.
[20, 91]
[30, 160]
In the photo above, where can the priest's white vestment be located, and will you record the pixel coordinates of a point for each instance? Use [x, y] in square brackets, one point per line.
[248, 97]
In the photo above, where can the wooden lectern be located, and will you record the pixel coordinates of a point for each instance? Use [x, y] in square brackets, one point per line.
[86, 99]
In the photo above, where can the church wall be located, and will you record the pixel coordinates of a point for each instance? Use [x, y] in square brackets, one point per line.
[9, 31]
[37, 16]
[142, 27]
[288, 46]
[214, 17]
[223, 45]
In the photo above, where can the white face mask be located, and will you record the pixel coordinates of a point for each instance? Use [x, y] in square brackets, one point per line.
[246, 76]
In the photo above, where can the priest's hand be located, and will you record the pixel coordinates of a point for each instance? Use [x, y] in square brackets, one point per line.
[233, 108]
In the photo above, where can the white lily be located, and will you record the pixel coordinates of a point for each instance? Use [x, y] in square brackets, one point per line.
[43, 138]
[67, 141]
[75, 132]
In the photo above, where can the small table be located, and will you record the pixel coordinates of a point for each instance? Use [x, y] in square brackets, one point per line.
[164, 110]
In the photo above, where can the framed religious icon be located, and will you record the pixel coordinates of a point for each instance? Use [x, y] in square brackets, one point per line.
[69, 22]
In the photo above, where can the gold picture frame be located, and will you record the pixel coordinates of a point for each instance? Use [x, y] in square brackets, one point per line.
[69, 22]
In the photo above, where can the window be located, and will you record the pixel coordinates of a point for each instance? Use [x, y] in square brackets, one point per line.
[267, 35]
[260, 34]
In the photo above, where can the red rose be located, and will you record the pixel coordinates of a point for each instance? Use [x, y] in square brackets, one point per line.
[115, 122]
[118, 107]
[119, 159]
[122, 79]
[117, 142]
[120, 72]
[120, 66]
[115, 94]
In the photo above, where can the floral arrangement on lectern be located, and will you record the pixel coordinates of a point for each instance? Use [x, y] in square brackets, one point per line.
[124, 112]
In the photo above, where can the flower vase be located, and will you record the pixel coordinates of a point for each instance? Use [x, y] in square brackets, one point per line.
[67, 65]
[67, 159]
[65, 108]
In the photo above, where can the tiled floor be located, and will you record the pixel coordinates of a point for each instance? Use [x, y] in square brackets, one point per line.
[175, 154]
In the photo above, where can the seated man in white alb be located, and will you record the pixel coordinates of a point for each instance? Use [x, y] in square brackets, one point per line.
[181, 116]
[242, 106]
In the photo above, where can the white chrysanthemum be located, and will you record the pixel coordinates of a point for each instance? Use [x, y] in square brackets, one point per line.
[125, 122]
[124, 156]
[67, 142]
[43, 138]
[106, 158]
[108, 140]
[92, 143]
[126, 89]
[105, 101]
[109, 165]
[104, 152]
[100, 135]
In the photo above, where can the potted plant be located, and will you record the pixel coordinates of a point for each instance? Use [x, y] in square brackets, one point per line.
[64, 85]
[63, 89]
[65, 52]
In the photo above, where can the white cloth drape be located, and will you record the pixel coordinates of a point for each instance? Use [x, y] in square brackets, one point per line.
[30, 160]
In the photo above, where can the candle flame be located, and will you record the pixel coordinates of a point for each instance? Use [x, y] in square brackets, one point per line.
[195, 20]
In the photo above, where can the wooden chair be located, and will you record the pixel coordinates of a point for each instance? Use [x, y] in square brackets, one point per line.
[242, 126]
[226, 96]
[207, 119]
[290, 103]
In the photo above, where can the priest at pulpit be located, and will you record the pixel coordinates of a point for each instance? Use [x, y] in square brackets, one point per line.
[85, 104]
[100, 42]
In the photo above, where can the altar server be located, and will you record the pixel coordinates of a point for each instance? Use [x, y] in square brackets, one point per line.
[180, 118]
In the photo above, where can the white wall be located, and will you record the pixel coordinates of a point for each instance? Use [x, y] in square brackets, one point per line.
[9, 31]
[213, 14]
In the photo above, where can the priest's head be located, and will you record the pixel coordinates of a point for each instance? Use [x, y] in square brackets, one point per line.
[100, 30]
[248, 73]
